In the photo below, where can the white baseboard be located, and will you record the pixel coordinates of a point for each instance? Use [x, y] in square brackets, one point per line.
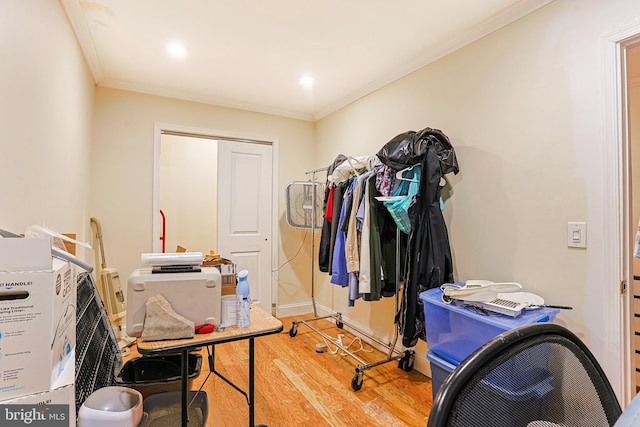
[420, 362]
[300, 309]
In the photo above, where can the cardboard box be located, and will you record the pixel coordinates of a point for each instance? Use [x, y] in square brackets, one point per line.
[37, 320]
[25, 254]
[223, 265]
[60, 396]
[62, 393]
[227, 268]
[228, 284]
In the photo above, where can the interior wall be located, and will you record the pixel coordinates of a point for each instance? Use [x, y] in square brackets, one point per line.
[45, 121]
[122, 171]
[189, 192]
[524, 110]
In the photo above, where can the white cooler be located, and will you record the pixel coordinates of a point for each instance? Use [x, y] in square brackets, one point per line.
[194, 295]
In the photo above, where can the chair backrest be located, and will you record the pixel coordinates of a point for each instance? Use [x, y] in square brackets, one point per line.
[538, 375]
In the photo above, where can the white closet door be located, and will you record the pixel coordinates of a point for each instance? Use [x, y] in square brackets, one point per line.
[244, 213]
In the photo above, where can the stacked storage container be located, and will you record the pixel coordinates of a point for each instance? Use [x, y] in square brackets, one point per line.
[455, 330]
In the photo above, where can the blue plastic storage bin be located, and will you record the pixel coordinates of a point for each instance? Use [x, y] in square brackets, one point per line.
[523, 398]
[455, 331]
[440, 369]
[517, 407]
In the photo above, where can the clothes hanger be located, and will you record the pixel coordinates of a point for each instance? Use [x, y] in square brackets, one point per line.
[353, 169]
[399, 174]
[399, 177]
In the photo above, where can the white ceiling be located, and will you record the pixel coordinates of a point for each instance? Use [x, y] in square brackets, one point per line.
[250, 54]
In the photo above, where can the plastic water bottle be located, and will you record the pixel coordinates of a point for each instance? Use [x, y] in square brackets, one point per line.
[242, 300]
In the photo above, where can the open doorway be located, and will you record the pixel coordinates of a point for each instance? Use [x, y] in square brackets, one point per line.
[189, 193]
[633, 192]
[201, 202]
[618, 230]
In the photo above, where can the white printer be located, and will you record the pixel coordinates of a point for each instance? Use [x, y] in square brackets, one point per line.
[194, 292]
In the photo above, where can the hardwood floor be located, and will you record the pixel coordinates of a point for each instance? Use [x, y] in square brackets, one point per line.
[296, 386]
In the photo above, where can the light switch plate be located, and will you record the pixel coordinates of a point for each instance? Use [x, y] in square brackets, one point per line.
[577, 234]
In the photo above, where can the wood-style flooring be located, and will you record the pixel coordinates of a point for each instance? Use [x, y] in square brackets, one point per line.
[296, 386]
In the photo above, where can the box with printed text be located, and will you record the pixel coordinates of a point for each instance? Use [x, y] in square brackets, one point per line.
[56, 407]
[37, 320]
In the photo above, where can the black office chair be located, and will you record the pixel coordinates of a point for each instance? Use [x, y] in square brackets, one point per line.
[538, 375]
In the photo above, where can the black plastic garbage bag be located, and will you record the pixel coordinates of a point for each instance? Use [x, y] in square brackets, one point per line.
[399, 152]
[409, 148]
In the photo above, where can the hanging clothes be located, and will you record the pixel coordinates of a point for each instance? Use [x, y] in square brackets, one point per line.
[338, 196]
[328, 211]
[385, 231]
[338, 175]
[350, 167]
[407, 191]
[364, 282]
[388, 235]
[352, 250]
[429, 261]
[382, 244]
[359, 234]
[325, 236]
[339, 274]
[353, 241]
[369, 250]
[374, 244]
[385, 179]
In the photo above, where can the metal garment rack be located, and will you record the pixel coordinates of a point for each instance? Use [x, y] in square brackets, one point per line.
[405, 359]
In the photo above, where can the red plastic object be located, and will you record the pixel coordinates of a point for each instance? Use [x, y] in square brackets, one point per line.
[205, 328]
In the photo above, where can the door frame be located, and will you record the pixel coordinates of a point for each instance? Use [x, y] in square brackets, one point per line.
[617, 212]
[160, 128]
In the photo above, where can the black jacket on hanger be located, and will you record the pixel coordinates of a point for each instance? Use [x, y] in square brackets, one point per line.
[429, 262]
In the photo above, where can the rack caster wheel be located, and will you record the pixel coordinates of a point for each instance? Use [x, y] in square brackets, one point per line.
[293, 331]
[356, 382]
[406, 363]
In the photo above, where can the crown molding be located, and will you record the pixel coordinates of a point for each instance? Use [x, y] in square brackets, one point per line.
[486, 27]
[220, 102]
[76, 18]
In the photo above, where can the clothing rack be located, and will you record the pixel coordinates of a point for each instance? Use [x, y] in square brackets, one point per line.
[405, 358]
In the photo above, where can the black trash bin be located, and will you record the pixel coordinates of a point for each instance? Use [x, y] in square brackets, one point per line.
[157, 374]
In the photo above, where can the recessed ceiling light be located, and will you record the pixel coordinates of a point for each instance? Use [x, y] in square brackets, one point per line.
[306, 81]
[176, 50]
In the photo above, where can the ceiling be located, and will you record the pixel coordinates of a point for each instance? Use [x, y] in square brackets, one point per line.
[251, 54]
